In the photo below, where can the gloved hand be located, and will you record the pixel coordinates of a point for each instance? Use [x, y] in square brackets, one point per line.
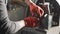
[34, 8]
[31, 21]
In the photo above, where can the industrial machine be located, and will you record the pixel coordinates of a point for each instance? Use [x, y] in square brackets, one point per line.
[48, 23]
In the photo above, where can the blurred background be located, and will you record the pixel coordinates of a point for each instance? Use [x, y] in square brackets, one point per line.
[50, 20]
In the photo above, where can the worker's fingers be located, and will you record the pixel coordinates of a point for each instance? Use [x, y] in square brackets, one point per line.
[40, 11]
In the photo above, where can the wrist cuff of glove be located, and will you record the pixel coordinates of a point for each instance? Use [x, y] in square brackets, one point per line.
[25, 23]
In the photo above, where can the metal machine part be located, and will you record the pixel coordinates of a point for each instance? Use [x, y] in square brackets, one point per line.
[44, 21]
[54, 6]
[43, 24]
[17, 11]
[52, 14]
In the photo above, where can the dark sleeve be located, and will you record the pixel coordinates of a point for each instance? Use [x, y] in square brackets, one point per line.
[55, 5]
[55, 8]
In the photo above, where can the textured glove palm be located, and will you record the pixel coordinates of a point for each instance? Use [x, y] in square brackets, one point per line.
[31, 21]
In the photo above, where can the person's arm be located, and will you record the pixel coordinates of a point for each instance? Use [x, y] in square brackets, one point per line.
[13, 27]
